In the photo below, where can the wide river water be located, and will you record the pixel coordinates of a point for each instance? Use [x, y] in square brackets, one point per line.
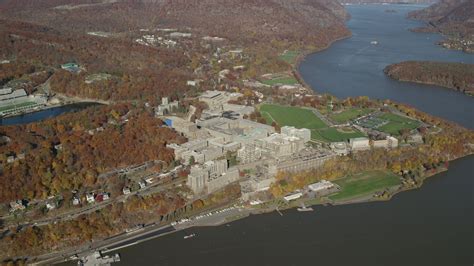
[430, 226]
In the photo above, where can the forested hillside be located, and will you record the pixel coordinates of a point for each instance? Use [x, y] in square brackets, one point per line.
[455, 76]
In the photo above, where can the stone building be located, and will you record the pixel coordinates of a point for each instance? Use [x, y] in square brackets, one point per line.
[211, 176]
[166, 107]
[302, 133]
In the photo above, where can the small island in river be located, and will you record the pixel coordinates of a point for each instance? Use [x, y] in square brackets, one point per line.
[457, 76]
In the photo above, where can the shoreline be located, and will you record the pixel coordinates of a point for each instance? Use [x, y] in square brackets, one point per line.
[302, 57]
[152, 229]
[432, 84]
[67, 101]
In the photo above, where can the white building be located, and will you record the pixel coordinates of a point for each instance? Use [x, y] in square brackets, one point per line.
[126, 190]
[340, 148]
[302, 133]
[249, 153]
[90, 198]
[388, 143]
[76, 200]
[50, 205]
[321, 186]
[293, 196]
[392, 142]
[166, 107]
[359, 144]
[279, 145]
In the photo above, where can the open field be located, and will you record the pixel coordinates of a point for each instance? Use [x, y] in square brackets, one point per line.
[364, 184]
[281, 81]
[291, 116]
[305, 118]
[289, 56]
[347, 115]
[8, 107]
[389, 123]
[397, 123]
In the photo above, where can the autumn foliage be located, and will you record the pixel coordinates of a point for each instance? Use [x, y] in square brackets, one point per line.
[70, 152]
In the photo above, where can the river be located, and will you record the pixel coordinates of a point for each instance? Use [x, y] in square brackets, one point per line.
[354, 67]
[429, 226]
[43, 114]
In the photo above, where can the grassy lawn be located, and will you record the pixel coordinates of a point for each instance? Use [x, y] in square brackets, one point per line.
[283, 81]
[305, 118]
[350, 114]
[397, 123]
[289, 56]
[364, 183]
[291, 116]
[8, 107]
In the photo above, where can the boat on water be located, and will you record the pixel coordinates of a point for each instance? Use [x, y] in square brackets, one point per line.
[189, 236]
[374, 42]
[303, 208]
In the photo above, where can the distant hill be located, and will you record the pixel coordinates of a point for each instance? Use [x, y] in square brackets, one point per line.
[453, 18]
[455, 14]
[313, 21]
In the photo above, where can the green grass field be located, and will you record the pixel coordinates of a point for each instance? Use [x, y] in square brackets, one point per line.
[364, 184]
[304, 118]
[8, 107]
[291, 116]
[347, 115]
[282, 81]
[289, 56]
[397, 123]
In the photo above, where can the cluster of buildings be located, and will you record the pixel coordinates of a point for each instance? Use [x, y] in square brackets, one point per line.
[259, 151]
[258, 147]
[363, 144]
[152, 40]
[16, 101]
[277, 145]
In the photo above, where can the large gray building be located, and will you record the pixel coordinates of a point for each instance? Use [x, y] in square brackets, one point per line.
[211, 176]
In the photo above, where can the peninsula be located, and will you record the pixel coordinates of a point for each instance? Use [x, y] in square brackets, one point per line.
[456, 76]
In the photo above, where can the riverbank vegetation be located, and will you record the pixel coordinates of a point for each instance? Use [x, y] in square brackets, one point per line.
[456, 76]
